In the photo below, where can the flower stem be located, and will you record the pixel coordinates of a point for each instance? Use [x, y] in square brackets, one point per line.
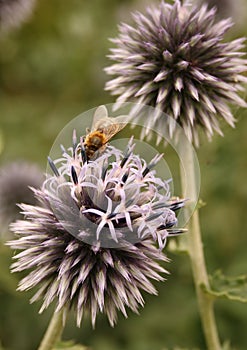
[195, 248]
[53, 332]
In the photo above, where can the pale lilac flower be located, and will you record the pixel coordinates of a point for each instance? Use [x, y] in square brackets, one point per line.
[91, 243]
[174, 58]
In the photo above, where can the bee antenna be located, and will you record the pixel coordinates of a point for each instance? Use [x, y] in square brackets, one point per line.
[53, 167]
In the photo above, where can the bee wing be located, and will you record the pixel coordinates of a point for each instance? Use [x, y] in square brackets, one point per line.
[108, 126]
[113, 129]
[100, 113]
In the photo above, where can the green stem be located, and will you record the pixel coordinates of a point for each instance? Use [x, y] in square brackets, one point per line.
[195, 247]
[53, 332]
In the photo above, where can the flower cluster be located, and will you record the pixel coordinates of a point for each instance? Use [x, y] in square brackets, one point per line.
[91, 243]
[16, 178]
[174, 58]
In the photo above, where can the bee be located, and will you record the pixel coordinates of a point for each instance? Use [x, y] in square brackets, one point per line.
[103, 129]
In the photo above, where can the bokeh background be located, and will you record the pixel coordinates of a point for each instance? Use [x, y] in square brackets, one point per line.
[51, 70]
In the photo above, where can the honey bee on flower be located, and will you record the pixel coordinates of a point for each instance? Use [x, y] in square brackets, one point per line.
[103, 129]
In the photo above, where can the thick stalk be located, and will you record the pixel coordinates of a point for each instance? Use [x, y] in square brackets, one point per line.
[195, 247]
[53, 332]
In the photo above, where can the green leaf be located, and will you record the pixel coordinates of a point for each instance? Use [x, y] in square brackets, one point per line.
[69, 345]
[232, 288]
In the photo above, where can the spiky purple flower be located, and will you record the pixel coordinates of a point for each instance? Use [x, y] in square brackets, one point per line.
[15, 181]
[174, 58]
[91, 243]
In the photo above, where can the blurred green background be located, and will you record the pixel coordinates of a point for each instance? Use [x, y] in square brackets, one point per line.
[51, 70]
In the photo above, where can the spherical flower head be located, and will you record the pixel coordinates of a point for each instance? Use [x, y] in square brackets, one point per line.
[16, 178]
[14, 12]
[174, 58]
[91, 244]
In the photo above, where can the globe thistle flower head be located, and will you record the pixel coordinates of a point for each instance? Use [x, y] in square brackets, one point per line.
[174, 58]
[14, 12]
[115, 198]
[75, 243]
[16, 178]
